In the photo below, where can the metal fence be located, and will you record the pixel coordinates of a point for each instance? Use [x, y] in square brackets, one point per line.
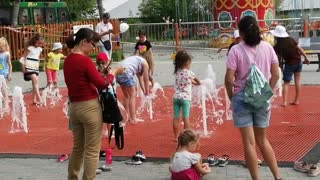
[211, 34]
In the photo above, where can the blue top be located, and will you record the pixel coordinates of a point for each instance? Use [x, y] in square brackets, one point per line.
[4, 69]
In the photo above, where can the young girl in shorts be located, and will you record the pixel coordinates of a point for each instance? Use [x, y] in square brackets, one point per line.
[142, 67]
[185, 164]
[30, 65]
[184, 78]
[5, 69]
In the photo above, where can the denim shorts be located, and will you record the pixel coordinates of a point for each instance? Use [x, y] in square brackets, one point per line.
[245, 115]
[289, 69]
[181, 104]
[126, 79]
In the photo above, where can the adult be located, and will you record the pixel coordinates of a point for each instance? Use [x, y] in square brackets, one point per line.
[104, 30]
[252, 122]
[288, 50]
[83, 80]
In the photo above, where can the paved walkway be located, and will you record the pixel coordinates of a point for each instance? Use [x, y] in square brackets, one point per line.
[49, 169]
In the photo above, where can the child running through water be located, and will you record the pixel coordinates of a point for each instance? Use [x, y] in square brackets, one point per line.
[5, 70]
[184, 78]
[53, 63]
[185, 164]
[30, 65]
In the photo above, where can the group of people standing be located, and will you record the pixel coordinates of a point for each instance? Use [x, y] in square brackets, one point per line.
[83, 79]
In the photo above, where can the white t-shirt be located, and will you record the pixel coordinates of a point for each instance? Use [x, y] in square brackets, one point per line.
[183, 84]
[184, 160]
[32, 61]
[102, 27]
[34, 52]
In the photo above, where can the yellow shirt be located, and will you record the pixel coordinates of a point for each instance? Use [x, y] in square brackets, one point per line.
[54, 60]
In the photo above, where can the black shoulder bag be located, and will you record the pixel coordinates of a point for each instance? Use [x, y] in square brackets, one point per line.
[111, 115]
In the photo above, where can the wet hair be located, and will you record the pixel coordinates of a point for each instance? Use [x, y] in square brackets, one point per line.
[4, 46]
[106, 15]
[36, 37]
[286, 48]
[83, 34]
[181, 59]
[249, 30]
[147, 55]
[186, 137]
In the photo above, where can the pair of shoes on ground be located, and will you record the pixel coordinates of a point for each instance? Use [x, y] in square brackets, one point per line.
[259, 163]
[222, 162]
[136, 159]
[313, 170]
[63, 157]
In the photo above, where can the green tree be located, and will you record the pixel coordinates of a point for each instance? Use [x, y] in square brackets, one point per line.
[81, 9]
[186, 10]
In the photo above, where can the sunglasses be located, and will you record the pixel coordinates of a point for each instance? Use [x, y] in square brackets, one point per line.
[93, 44]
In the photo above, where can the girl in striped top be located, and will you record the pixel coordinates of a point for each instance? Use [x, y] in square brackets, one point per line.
[30, 65]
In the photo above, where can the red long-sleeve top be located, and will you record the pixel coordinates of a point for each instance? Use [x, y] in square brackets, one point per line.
[82, 78]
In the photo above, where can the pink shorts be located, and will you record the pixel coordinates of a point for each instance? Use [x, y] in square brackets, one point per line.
[51, 75]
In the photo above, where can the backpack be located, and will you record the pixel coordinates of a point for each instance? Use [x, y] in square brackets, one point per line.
[257, 90]
[111, 115]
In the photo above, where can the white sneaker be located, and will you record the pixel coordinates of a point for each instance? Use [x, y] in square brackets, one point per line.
[134, 161]
[98, 171]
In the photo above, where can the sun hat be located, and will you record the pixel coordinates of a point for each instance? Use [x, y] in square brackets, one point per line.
[236, 34]
[102, 57]
[279, 31]
[56, 46]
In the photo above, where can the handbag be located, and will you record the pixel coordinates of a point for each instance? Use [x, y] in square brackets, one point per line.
[111, 114]
[106, 44]
[257, 90]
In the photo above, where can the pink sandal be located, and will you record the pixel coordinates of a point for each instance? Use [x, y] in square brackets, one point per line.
[63, 157]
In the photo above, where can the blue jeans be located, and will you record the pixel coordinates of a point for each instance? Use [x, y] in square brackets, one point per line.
[245, 115]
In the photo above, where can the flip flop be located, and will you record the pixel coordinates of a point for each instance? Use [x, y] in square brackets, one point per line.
[224, 160]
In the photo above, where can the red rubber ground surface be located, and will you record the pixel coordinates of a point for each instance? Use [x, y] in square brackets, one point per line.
[293, 132]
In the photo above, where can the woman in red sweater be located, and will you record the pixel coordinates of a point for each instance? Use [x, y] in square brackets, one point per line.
[83, 80]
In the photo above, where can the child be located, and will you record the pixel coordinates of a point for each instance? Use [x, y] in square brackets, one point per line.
[30, 65]
[142, 67]
[184, 78]
[53, 63]
[185, 164]
[143, 42]
[5, 69]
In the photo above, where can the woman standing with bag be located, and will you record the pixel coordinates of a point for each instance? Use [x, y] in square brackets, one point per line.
[252, 121]
[83, 80]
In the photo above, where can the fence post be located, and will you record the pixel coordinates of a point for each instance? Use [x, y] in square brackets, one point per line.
[176, 29]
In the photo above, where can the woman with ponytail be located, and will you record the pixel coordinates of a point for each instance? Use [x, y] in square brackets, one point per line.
[82, 80]
[252, 122]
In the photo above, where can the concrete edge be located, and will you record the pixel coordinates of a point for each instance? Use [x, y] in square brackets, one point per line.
[124, 158]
